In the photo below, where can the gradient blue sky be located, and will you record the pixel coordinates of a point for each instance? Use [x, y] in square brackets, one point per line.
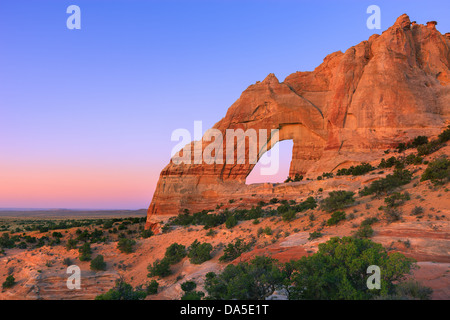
[86, 115]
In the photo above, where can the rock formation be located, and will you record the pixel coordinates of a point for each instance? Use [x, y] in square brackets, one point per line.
[388, 89]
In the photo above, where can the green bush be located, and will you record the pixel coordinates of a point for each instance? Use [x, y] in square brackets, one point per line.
[364, 231]
[361, 169]
[419, 140]
[392, 214]
[390, 162]
[245, 281]
[98, 263]
[445, 135]
[126, 245]
[337, 200]
[430, 147]
[438, 171]
[338, 271]
[188, 286]
[417, 210]
[152, 287]
[9, 282]
[390, 182]
[397, 199]
[175, 253]
[85, 252]
[199, 252]
[122, 291]
[412, 290]
[147, 233]
[231, 222]
[289, 215]
[189, 291]
[314, 235]
[234, 250]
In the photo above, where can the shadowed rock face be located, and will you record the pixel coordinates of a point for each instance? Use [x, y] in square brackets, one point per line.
[388, 89]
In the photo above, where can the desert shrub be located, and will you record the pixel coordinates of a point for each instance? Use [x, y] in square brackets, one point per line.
[152, 287]
[298, 177]
[22, 245]
[419, 140]
[231, 222]
[9, 282]
[444, 136]
[412, 290]
[252, 280]
[122, 291]
[234, 250]
[289, 215]
[189, 291]
[438, 171]
[430, 147]
[338, 271]
[314, 235]
[147, 233]
[159, 268]
[397, 199]
[267, 230]
[390, 182]
[126, 245]
[193, 295]
[364, 231]
[392, 214]
[85, 252]
[67, 262]
[327, 175]
[336, 217]
[273, 200]
[390, 162]
[358, 170]
[417, 210]
[71, 244]
[6, 241]
[309, 203]
[188, 286]
[98, 263]
[175, 253]
[413, 159]
[337, 200]
[369, 221]
[199, 252]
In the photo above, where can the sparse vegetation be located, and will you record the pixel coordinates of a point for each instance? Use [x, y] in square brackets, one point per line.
[126, 245]
[336, 217]
[98, 263]
[234, 250]
[122, 291]
[199, 252]
[338, 200]
[175, 253]
[9, 282]
[438, 171]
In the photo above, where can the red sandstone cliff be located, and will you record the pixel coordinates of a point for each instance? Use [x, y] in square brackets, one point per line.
[383, 91]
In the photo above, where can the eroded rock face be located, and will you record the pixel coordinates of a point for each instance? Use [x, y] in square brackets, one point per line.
[388, 89]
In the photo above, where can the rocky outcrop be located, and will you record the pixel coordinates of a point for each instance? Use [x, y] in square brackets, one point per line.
[383, 91]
